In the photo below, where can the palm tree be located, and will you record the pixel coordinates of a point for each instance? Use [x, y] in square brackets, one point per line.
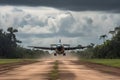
[103, 37]
[112, 32]
[12, 36]
[1, 30]
[91, 45]
[12, 31]
[117, 29]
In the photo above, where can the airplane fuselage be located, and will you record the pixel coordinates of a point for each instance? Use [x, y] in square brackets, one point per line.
[59, 50]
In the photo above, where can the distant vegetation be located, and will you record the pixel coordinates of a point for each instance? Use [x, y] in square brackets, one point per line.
[9, 47]
[109, 49]
[108, 62]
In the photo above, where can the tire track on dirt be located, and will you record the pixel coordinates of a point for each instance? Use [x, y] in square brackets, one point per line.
[70, 70]
[35, 71]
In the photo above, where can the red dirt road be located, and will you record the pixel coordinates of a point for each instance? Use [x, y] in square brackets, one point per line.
[35, 71]
[72, 70]
[69, 69]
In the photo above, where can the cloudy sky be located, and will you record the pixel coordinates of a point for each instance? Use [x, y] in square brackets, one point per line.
[42, 22]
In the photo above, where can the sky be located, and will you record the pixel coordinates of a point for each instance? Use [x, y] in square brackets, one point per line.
[43, 22]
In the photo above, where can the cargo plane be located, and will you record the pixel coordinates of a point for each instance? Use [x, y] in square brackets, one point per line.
[59, 48]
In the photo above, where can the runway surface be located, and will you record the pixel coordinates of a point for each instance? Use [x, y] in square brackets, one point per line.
[35, 71]
[69, 69]
[72, 70]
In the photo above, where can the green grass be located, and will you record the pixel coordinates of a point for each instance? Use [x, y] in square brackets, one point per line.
[54, 73]
[6, 61]
[108, 62]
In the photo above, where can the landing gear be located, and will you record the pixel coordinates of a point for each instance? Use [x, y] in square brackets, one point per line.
[64, 54]
[55, 54]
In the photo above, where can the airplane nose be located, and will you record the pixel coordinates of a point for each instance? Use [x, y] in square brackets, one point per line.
[59, 48]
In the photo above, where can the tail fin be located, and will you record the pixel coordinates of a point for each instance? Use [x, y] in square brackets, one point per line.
[59, 40]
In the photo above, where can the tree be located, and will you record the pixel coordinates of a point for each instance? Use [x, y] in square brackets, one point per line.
[91, 45]
[117, 29]
[112, 32]
[11, 33]
[103, 37]
[110, 48]
[10, 49]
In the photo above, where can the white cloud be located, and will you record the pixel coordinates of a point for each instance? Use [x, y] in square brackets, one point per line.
[35, 30]
[46, 25]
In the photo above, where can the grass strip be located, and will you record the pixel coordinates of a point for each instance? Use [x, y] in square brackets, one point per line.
[54, 74]
[6, 61]
[108, 62]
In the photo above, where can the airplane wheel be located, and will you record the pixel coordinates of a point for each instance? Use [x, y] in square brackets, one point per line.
[55, 54]
[64, 54]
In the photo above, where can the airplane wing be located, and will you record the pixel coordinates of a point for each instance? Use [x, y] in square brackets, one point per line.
[46, 48]
[53, 44]
[66, 44]
[73, 48]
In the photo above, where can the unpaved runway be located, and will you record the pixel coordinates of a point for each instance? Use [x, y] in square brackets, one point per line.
[71, 70]
[35, 71]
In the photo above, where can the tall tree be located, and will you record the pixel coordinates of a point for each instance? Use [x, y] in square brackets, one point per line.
[117, 29]
[112, 32]
[103, 37]
[12, 31]
[12, 36]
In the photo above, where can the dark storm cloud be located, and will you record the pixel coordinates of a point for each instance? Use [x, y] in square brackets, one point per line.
[75, 5]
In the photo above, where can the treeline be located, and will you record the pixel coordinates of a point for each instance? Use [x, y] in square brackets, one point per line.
[109, 48]
[9, 47]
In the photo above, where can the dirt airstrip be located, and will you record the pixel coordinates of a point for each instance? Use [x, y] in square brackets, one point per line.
[69, 69]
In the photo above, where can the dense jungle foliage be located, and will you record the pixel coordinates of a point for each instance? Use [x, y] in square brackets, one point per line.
[109, 49]
[10, 48]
